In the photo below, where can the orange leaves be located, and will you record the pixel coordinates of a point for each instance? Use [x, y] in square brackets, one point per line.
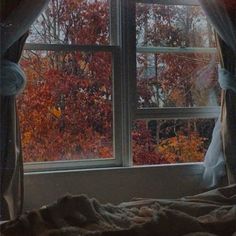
[182, 148]
[55, 111]
[171, 142]
[178, 149]
[26, 137]
[83, 65]
[105, 152]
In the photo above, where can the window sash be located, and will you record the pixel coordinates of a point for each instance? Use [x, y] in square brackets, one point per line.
[116, 107]
[176, 112]
[69, 47]
[90, 163]
[117, 136]
[173, 112]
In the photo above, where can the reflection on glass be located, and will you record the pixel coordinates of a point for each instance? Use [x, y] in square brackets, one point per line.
[177, 80]
[186, 77]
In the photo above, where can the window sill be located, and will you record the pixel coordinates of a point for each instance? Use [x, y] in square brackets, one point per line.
[114, 184]
[192, 168]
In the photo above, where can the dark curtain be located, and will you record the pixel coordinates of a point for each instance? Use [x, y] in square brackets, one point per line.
[228, 114]
[11, 178]
[15, 18]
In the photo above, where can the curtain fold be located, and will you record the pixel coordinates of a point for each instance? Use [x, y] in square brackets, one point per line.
[222, 16]
[18, 20]
[16, 16]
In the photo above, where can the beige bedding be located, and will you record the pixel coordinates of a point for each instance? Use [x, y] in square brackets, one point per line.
[210, 213]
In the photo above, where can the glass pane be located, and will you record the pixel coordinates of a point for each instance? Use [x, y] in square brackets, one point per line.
[172, 26]
[81, 22]
[177, 80]
[170, 141]
[66, 109]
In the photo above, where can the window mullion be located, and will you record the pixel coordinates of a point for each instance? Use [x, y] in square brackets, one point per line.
[128, 47]
[177, 113]
[114, 21]
[175, 50]
[69, 47]
[117, 82]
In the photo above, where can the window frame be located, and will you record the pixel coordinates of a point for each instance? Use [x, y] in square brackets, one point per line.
[125, 111]
[207, 112]
[115, 49]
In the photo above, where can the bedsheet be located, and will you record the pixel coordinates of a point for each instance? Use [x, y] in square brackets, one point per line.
[208, 214]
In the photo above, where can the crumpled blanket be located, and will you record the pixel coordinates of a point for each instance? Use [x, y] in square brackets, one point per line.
[207, 214]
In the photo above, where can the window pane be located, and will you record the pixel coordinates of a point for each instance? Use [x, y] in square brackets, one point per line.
[177, 80]
[172, 26]
[66, 109]
[81, 22]
[170, 141]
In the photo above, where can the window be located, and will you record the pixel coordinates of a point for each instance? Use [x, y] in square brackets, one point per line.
[68, 110]
[95, 98]
[177, 89]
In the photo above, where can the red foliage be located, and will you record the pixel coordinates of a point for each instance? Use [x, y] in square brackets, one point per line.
[66, 116]
[144, 146]
[230, 4]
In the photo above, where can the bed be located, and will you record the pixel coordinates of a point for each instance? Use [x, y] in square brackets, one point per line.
[210, 213]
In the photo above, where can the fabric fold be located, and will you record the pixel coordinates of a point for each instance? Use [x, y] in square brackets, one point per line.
[12, 80]
[19, 21]
[16, 16]
[222, 148]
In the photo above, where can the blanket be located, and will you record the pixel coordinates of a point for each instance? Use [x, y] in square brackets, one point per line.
[208, 214]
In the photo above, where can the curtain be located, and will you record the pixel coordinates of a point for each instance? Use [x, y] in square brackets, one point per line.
[16, 16]
[222, 150]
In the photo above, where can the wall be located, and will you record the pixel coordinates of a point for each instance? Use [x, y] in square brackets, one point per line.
[114, 184]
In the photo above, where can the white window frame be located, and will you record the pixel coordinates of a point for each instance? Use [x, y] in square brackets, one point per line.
[117, 82]
[125, 111]
[210, 112]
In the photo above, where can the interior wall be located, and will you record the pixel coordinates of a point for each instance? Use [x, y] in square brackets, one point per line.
[115, 184]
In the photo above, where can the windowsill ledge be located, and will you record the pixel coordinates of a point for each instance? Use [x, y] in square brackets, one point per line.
[195, 168]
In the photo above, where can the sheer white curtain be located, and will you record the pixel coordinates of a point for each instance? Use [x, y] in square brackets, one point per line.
[218, 14]
[221, 153]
